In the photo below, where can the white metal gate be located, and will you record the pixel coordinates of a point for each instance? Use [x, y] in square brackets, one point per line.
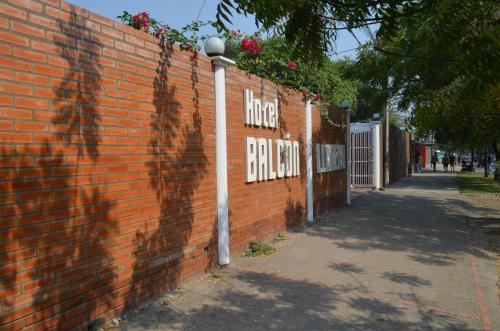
[361, 159]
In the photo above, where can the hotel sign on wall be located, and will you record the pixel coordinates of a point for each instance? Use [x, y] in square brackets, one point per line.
[268, 159]
[330, 157]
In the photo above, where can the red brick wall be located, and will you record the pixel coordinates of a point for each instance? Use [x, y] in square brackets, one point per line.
[107, 166]
[329, 190]
[260, 210]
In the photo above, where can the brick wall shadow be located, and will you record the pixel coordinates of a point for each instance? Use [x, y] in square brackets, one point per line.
[177, 163]
[55, 245]
[398, 149]
[295, 214]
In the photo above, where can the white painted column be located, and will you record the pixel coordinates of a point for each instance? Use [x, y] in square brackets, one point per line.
[376, 155]
[309, 169]
[221, 63]
[348, 156]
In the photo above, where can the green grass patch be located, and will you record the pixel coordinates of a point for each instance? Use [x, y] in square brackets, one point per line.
[477, 183]
[256, 248]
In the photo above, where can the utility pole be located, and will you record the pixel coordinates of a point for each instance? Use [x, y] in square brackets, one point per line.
[386, 132]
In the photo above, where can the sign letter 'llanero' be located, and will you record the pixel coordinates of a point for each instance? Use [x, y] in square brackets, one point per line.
[267, 159]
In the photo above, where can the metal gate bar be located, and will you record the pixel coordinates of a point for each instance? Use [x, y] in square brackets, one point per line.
[361, 159]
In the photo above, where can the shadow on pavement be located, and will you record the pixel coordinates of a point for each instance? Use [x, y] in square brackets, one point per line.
[441, 231]
[264, 301]
[404, 278]
[431, 230]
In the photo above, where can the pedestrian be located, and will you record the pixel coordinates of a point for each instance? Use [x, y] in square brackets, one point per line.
[410, 168]
[434, 160]
[446, 161]
[452, 162]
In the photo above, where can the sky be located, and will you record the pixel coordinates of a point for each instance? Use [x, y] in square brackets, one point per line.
[177, 13]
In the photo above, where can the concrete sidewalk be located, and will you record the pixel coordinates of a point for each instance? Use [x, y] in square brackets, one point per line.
[403, 259]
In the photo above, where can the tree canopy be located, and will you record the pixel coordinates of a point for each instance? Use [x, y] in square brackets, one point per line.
[312, 26]
[437, 60]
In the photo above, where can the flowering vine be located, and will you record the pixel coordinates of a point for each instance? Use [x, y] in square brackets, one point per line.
[187, 38]
[141, 21]
[235, 33]
[250, 52]
[311, 96]
[271, 60]
[250, 46]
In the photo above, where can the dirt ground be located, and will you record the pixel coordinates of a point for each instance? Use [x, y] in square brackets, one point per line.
[488, 218]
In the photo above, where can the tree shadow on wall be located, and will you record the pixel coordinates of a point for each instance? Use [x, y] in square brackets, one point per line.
[398, 162]
[76, 97]
[178, 163]
[85, 250]
[60, 214]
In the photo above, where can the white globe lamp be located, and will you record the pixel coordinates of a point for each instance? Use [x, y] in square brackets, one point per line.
[214, 46]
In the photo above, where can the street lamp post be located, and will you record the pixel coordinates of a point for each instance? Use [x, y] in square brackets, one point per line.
[214, 47]
[386, 143]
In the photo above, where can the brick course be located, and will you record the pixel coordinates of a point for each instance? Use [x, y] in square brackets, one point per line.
[107, 166]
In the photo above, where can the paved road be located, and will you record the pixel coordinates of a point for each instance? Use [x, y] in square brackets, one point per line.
[403, 259]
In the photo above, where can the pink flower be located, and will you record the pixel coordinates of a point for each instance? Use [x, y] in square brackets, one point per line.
[250, 46]
[245, 44]
[186, 47]
[291, 65]
[255, 51]
[235, 33]
[317, 96]
[160, 31]
[305, 91]
[142, 20]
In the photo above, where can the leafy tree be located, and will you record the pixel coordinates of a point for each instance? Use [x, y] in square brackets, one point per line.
[445, 69]
[312, 26]
[436, 59]
[276, 62]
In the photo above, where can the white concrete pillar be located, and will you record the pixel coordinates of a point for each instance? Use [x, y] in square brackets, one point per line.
[376, 148]
[221, 63]
[348, 156]
[309, 170]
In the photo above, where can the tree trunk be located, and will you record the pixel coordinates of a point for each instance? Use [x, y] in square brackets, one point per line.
[472, 166]
[486, 165]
